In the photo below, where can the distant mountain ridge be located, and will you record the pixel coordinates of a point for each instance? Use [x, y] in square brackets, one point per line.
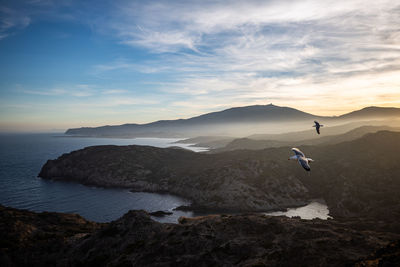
[225, 121]
[257, 144]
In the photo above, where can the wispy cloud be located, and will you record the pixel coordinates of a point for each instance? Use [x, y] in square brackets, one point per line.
[77, 90]
[201, 56]
[11, 20]
[114, 91]
[257, 49]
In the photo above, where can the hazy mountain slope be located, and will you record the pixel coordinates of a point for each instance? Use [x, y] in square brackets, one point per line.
[208, 141]
[326, 130]
[240, 121]
[372, 113]
[215, 123]
[257, 113]
[247, 143]
[223, 122]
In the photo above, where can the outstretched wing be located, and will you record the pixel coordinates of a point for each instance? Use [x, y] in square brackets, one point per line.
[317, 130]
[304, 163]
[297, 152]
[316, 123]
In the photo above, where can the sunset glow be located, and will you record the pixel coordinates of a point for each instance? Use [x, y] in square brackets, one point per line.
[69, 64]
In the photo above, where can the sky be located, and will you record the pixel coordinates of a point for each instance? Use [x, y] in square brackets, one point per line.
[67, 63]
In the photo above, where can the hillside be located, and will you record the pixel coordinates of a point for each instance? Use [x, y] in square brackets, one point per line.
[215, 182]
[327, 130]
[356, 178]
[373, 113]
[255, 144]
[240, 121]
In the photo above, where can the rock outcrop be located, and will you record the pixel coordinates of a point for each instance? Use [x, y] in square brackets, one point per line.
[359, 178]
[232, 181]
[38, 239]
[53, 239]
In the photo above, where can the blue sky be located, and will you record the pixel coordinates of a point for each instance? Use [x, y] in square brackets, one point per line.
[88, 63]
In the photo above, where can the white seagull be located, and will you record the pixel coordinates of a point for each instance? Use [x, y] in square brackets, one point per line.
[317, 126]
[301, 158]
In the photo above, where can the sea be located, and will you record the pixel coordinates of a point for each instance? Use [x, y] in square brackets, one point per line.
[23, 155]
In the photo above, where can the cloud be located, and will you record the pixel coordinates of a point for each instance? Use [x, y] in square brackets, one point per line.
[255, 50]
[114, 91]
[204, 56]
[12, 20]
[78, 90]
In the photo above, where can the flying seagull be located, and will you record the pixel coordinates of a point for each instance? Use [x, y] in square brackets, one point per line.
[303, 161]
[317, 126]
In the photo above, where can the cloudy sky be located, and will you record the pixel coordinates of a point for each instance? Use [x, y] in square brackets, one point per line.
[87, 63]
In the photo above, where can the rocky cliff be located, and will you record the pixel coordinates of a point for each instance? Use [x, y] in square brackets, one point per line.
[37, 239]
[356, 178]
[235, 181]
[53, 239]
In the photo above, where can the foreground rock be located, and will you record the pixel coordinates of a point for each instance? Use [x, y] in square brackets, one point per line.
[386, 256]
[37, 239]
[227, 240]
[53, 239]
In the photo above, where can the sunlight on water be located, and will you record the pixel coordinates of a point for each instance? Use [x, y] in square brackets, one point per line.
[316, 209]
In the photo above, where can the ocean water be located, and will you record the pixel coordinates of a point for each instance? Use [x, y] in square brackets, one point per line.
[23, 155]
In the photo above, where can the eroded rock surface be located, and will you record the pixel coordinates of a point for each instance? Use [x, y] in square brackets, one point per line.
[232, 181]
[53, 239]
[359, 178]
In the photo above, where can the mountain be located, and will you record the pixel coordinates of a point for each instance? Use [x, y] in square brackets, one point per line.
[239, 121]
[216, 123]
[257, 113]
[295, 139]
[373, 113]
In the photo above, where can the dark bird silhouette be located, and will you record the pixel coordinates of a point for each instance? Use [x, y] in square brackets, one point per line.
[301, 158]
[317, 126]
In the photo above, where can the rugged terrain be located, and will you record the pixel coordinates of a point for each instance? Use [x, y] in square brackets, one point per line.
[236, 181]
[54, 239]
[356, 178]
[38, 239]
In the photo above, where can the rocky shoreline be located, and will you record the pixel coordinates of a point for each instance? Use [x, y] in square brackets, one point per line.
[358, 178]
[362, 197]
[230, 182]
[56, 239]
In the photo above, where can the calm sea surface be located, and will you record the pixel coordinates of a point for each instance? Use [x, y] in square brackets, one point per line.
[23, 155]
